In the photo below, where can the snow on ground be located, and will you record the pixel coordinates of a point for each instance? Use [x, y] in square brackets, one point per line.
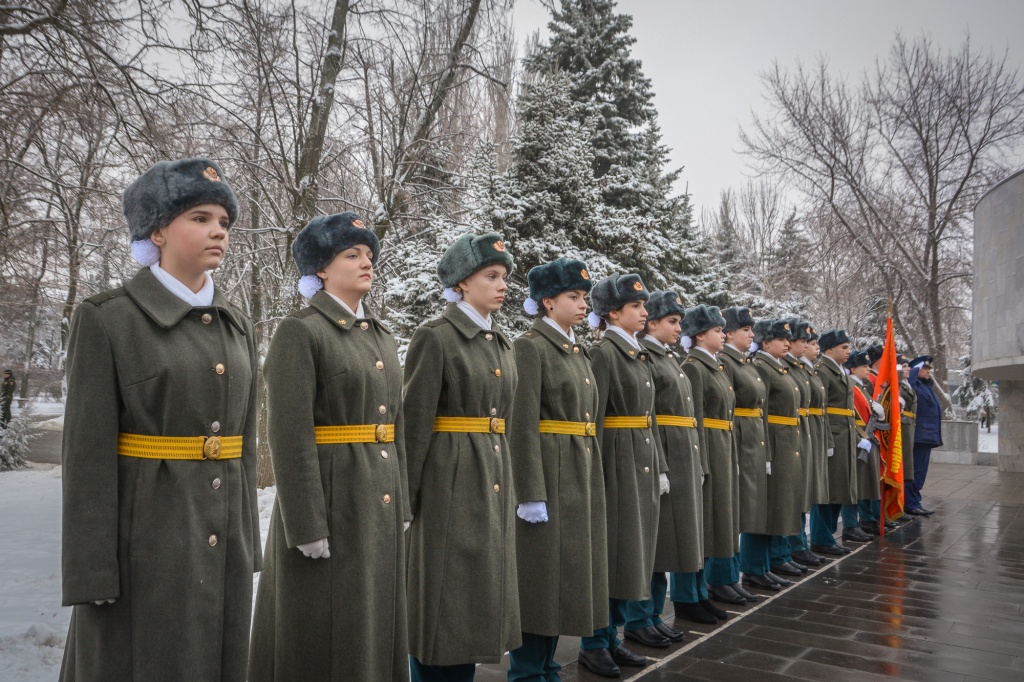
[33, 624]
[988, 442]
[40, 408]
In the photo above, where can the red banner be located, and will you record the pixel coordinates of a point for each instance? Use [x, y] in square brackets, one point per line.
[887, 391]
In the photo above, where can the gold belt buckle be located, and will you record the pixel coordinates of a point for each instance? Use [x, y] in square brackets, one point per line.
[494, 424]
[590, 429]
[649, 421]
[381, 432]
[211, 448]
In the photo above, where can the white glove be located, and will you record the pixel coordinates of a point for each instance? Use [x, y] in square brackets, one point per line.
[878, 410]
[318, 549]
[533, 512]
[663, 484]
[831, 451]
[864, 444]
[768, 467]
[903, 403]
[405, 525]
[102, 602]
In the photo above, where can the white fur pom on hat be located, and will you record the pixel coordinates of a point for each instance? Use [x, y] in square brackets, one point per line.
[594, 320]
[309, 285]
[145, 252]
[531, 307]
[451, 295]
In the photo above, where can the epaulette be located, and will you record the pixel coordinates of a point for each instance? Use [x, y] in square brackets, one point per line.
[104, 296]
[304, 313]
[437, 322]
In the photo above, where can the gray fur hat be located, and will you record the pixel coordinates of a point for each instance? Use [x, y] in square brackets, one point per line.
[701, 318]
[561, 274]
[833, 338]
[801, 329]
[769, 330]
[615, 291]
[325, 236]
[665, 303]
[469, 253]
[169, 188]
[737, 318]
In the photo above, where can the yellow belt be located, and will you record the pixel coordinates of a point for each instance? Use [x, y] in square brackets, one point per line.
[173, 447]
[627, 422]
[673, 420]
[568, 428]
[358, 433]
[748, 412]
[909, 415]
[805, 411]
[861, 422]
[783, 421]
[469, 425]
[841, 411]
[816, 411]
[720, 424]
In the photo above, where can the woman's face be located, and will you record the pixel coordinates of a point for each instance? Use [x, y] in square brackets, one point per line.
[776, 347]
[712, 340]
[350, 273]
[861, 372]
[567, 309]
[741, 338]
[485, 289]
[665, 329]
[797, 347]
[632, 317]
[195, 241]
[812, 351]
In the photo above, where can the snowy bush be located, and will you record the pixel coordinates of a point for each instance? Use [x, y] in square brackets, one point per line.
[14, 441]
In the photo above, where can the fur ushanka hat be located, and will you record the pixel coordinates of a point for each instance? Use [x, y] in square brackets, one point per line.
[665, 303]
[801, 329]
[469, 253]
[737, 318]
[323, 238]
[701, 318]
[164, 192]
[769, 330]
[858, 358]
[874, 354]
[613, 292]
[833, 338]
[551, 279]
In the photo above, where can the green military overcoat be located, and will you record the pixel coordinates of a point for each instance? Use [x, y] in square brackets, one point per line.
[632, 462]
[681, 523]
[842, 436]
[714, 399]
[751, 445]
[800, 375]
[463, 596]
[562, 563]
[786, 482]
[907, 425]
[343, 617]
[819, 438]
[868, 472]
[175, 542]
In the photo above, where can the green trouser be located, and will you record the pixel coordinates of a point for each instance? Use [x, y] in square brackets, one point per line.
[534, 661]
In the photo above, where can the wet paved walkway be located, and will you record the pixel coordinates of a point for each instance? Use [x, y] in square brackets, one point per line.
[941, 599]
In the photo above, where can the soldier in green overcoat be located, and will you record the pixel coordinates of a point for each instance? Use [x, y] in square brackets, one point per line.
[908, 402]
[331, 598]
[160, 526]
[635, 473]
[860, 521]
[561, 539]
[818, 423]
[714, 402]
[748, 429]
[460, 378]
[784, 438]
[680, 527]
[795, 545]
[7, 398]
[842, 451]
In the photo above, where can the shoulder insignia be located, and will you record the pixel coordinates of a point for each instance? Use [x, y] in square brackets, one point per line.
[435, 322]
[103, 297]
[304, 313]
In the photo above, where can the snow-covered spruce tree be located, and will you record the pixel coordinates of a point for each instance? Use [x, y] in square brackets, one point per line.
[14, 441]
[590, 43]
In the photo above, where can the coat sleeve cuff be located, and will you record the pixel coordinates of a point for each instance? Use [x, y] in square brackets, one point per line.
[87, 587]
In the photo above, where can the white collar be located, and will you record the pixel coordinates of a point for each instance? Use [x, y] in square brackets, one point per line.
[554, 325]
[626, 335]
[807, 362]
[655, 341]
[471, 312]
[713, 356]
[857, 379]
[359, 313]
[197, 299]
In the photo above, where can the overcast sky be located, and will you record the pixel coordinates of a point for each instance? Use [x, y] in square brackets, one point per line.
[704, 57]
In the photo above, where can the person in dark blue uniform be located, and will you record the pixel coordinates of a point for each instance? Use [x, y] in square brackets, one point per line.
[927, 433]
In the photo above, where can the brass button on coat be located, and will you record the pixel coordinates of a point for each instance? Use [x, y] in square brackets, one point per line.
[207, 318]
[497, 448]
[575, 349]
[384, 454]
[219, 368]
[587, 381]
[215, 427]
[387, 499]
[647, 470]
[382, 409]
[363, 325]
[497, 372]
[488, 336]
[215, 484]
[379, 365]
[213, 541]
[496, 487]
[494, 411]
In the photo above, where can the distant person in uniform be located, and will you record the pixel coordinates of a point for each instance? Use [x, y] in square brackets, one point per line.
[927, 431]
[7, 398]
